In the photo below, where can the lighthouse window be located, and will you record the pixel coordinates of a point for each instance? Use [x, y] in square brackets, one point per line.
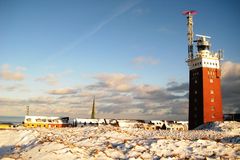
[195, 92]
[211, 80]
[195, 100]
[38, 120]
[212, 99]
[211, 91]
[195, 108]
[195, 73]
[29, 120]
[212, 108]
[196, 81]
[213, 115]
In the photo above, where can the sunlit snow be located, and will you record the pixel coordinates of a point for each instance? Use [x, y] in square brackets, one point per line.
[213, 141]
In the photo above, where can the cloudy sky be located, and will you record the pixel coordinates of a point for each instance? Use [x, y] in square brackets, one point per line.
[55, 55]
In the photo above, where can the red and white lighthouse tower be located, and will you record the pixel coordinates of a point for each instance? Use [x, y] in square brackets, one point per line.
[205, 100]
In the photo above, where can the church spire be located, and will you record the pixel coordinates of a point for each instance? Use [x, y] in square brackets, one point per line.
[93, 109]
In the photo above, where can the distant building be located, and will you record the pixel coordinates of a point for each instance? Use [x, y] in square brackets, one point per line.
[232, 117]
[6, 125]
[47, 122]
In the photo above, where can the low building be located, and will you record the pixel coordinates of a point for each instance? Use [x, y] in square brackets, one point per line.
[44, 121]
[232, 117]
[6, 125]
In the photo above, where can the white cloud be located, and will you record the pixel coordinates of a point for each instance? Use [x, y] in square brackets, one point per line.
[147, 88]
[7, 74]
[134, 110]
[117, 81]
[50, 79]
[230, 69]
[230, 87]
[53, 79]
[63, 91]
[10, 102]
[16, 87]
[139, 102]
[118, 96]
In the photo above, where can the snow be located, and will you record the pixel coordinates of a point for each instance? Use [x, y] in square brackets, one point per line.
[212, 141]
[228, 126]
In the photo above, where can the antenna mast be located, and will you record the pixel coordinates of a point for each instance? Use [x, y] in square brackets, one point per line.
[27, 110]
[190, 33]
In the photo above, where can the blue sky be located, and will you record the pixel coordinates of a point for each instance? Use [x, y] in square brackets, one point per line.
[57, 54]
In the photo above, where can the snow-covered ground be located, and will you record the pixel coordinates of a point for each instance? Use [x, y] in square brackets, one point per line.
[214, 141]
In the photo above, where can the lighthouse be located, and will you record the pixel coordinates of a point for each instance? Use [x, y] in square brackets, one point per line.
[205, 100]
